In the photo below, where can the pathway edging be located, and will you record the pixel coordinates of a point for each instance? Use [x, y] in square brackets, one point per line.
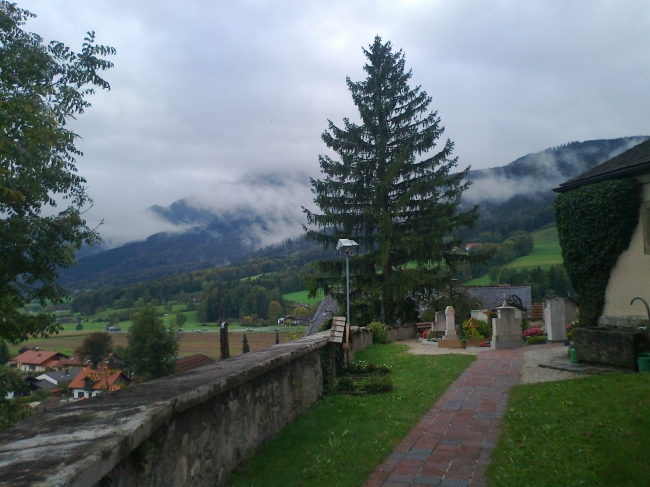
[451, 444]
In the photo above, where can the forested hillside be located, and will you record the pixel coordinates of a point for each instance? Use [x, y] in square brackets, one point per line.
[516, 197]
[247, 287]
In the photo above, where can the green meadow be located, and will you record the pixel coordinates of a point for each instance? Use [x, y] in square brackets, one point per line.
[546, 253]
[301, 297]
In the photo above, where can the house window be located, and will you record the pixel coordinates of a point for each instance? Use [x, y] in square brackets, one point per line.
[79, 394]
[645, 218]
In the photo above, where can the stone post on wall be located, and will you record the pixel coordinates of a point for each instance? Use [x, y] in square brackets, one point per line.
[506, 329]
[450, 315]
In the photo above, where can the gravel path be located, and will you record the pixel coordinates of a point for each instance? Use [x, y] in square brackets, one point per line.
[530, 371]
[419, 348]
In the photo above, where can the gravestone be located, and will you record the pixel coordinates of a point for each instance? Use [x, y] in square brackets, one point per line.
[439, 326]
[450, 321]
[558, 313]
[506, 329]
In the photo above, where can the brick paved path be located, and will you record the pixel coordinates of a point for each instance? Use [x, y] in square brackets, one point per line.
[451, 445]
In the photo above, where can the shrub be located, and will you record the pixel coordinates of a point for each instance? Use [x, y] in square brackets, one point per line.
[326, 325]
[533, 332]
[79, 326]
[534, 340]
[378, 333]
[296, 333]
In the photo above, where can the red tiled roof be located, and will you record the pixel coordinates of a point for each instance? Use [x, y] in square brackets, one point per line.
[38, 357]
[72, 361]
[193, 362]
[105, 378]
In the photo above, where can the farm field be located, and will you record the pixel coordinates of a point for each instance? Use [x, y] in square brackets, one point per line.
[301, 297]
[546, 253]
[205, 342]
[191, 324]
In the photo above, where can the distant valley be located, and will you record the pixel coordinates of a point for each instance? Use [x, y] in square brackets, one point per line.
[517, 196]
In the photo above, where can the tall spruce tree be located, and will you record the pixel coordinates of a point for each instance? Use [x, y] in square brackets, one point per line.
[391, 192]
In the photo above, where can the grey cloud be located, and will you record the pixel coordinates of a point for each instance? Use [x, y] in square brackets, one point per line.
[207, 96]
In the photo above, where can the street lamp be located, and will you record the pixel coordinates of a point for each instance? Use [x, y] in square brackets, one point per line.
[346, 247]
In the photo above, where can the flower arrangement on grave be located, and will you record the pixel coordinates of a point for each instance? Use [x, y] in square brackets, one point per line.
[533, 332]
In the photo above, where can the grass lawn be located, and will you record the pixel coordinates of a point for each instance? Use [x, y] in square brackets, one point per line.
[593, 431]
[301, 297]
[546, 253]
[341, 439]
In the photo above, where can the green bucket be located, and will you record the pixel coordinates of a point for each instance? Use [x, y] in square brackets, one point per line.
[644, 362]
[573, 356]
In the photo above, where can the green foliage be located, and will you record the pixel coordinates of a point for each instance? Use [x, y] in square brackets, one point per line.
[391, 193]
[341, 439]
[534, 340]
[180, 319]
[219, 287]
[551, 282]
[245, 347]
[300, 311]
[275, 310]
[96, 347]
[42, 87]
[462, 304]
[5, 356]
[592, 431]
[296, 333]
[10, 410]
[595, 224]
[326, 325]
[379, 334]
[79, 327]
[152, 348]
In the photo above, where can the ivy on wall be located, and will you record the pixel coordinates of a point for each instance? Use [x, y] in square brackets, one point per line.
[595, 224]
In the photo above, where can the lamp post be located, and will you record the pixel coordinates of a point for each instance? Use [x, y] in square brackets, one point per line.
[346, 247]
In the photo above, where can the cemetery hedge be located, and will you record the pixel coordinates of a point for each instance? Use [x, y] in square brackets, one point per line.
[595, 225]
[591, 431]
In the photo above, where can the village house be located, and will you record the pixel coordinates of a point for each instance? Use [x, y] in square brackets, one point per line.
[195, 361]
[37, 360]
[519, 297]
[90, 382]
[630, 277]
[53, 380]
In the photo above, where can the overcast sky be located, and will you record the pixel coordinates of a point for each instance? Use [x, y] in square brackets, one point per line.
[207, 95]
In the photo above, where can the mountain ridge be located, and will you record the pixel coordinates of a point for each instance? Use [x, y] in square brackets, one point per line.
[212, 238]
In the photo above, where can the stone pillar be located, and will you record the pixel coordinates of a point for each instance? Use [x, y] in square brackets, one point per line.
[506, 329]
[450, 316]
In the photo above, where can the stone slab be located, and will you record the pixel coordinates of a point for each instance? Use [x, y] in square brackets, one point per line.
[590, 369]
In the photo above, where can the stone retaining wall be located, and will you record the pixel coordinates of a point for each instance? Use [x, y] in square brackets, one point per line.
[187, 429]
[398, 333]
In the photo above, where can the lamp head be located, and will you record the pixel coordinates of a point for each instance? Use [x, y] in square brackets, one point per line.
[346, 246]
